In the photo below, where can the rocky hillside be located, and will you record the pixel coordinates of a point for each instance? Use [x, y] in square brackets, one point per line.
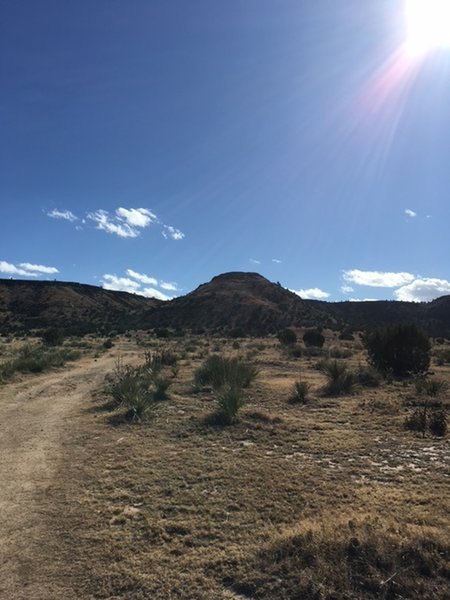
[74, 306]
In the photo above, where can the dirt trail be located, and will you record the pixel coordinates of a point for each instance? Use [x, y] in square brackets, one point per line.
[35, 431]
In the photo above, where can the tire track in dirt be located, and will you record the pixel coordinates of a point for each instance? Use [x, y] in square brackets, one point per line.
[36, 416]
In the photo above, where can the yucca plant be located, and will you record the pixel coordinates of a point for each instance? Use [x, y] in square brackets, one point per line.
[300, 393]
[230, 400]
[340, 379]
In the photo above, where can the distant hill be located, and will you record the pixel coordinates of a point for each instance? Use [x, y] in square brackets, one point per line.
[237, 301]
[76, 307]
[231, 303]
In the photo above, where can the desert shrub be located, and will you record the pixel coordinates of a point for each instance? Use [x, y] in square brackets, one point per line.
[218, 370]
[300, 393]
[162, 332]
[400, 349]
[313, 337]
[235, 345]
[230, 399]
[442, 357]
[368, 377]
[340, 379]
[296, 351]
[53, 336]
[438, 422]
[108, 343]
[287, 337]
[168, 358]
[138, 389]
[35, 359]
[313, 352]
[337, 352]
[433, 388]
[416, 421]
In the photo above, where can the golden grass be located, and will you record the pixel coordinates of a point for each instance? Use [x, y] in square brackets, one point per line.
[328, 500]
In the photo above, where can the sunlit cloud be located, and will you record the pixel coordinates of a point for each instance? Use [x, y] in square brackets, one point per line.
[152, 293]
[377, 278]
[423, 290]
[276, 260]
[26, 269]
[39, 268]
[347, 289]
[146, 279]
[172, 232]
[136, 217]
[312, 294]
[410, 213]
[119, 284]
[110, 224]
[254, 261]
[66, 215]
[170, 287]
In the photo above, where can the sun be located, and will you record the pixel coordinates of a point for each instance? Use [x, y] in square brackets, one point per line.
[428, 23]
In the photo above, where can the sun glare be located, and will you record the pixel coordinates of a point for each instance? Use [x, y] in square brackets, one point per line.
[428, 25]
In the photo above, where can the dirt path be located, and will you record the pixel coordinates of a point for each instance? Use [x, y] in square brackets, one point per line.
[36, 417]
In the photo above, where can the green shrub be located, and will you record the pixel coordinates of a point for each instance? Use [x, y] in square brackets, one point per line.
[340, 379]
[368, 377]
[433, 388]
[218, 370]
[230, 399]
[438, 422]
[108, 343]
[35, 359]
[287, 337]
[400, 349]
[300, 393]
[53, 336]
[313, 337]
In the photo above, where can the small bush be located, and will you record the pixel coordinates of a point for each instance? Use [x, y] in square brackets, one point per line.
[340, 379]
[337, 352]
[400, 349]
[346, 335]
[287, 337]
[230, 400]
[438, 422]
[368, 377]
[300, 393]
[107, 344]
[313, 337]
[53, 336]
[218, 371]
[433, 388]
[416, 421]
[36, 359]
[295, 351]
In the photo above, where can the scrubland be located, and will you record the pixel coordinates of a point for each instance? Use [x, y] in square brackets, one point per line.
[305, 493]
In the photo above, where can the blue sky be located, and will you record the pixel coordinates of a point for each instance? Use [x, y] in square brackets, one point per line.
[150, 145]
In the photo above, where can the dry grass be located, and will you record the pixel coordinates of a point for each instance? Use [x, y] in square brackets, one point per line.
[328, 500]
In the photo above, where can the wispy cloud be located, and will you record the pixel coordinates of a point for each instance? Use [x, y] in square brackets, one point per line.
[152, 293]
[276, 260]
[26, 269]
[172, 232]
[423, 290]
[170, 287]
[254, 261]
[347, 289]
[312, 294]
[39, 268]
[410, 213]
[136, 217]
[67, 215]
[111, 224]
[134, 284]
[377, 278]
[146, 279]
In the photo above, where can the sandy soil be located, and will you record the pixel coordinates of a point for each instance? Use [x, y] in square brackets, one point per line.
[35, 432]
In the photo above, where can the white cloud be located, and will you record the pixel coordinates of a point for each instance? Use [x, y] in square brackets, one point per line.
[39, 268]
[276, 260]
[170, 287]
[26, 269]
[67, 215]
[363, 299]
[172, 232]
[410, 213]
[347, 289]
[423, 290]
[119, 284]
[311, 294]
[377, 278]
[142, 277]
[254, 261]
[112, 225]
[152, 293]
[136, 217]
